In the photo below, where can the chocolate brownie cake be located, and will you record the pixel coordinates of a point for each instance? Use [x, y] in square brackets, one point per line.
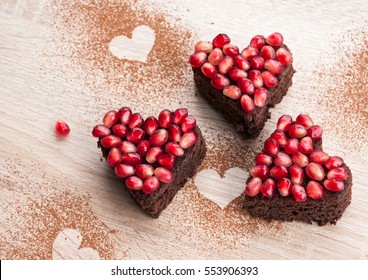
[293, 179]
[154, 157]
[243, 85]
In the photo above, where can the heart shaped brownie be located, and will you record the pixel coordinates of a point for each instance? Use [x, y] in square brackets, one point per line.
[155, 156]
[243, 85]
[293, 179]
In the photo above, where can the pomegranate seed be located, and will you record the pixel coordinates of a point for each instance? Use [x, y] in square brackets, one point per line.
[284, 56]
[62, 129]
[282, 159]
[123, 170]
[150, 125]
[299, 193]
[314, 190]
[220, 82]
[174, 133]
[114, 157]
[268, 188]
[188, 139]
[306, 145]
[304, 120]
[220, 40]
[256, 77]
[143, 147]
[271, 147]
[297, 131]
[269, 79]
[338, 173]
[197, 59]
[275, 39]
[100, 131]
[315, 132]
[166, 161]
[110, 118]
[241, 63]
[150, 185]
[249, 52]
[110, 141]
[284, 123]
[253, 187]
[174, 149]
[132, 159]
[127, 147]
[315, 171]
[232, 91]
[258, 41]
[209, 70]
[153, 154]
[179, 115]
[268, 52]
[273, 66]
[279, 172]
[296, 174]
[165, 118]
[125, 114]
[230, 50]
[202, 46]
[280, 138]
[164, 175]
[260, 97]
[319, 157]
[334, 185]
[246, 86]
[300, 159]
[120, 130]
[134, 183]
[236, 74]
[159, 137]
[247, 104]
[135, 121]
[334, 162]
[144, 171]
[264, 159]
[257, 62]
[215, 56]
[260, 171]
[284, 186]
[226, 64]
[136, 135]
[188, 124]
[292, 146]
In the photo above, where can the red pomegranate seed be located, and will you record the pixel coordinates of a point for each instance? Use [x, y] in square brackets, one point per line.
[306, 145]
[274, 66]
[197, 59]
[334, 162]
[300, 159]
[123, 170]
[110, 118]
[150, 125]
[165, 118]
[110, 141]
[338, 173]
[150, 185]
[241, 63]
[179, 115]
[260, 171]
[334, 185]
[135, 121]
[297, 131]
[159, 137]
[256, 77]
[215, 56]
[292, 146]
[100, 131]
[144, 171]
[315, 171]
[249, 52]
[315, 132]
[299, 193]
[246, 86]
[268, 52]
[62, 129]
[136, 135]
[127, 147]
[230, 50]
[188, 124]
[258, 41]
[174, 149]
[120, 130]
[304, 120]
[280, 138]
[220, 40]
[279, 172]
[284, 56]
[296, 174]
[220, 82]
[134, 183]
[209, 70]
[257, 62]
[143, 147]
[284, 123]
[225, 65]
[275, 39]
[174, 133]
[236, 74]
[164, 175]
[202, 46]
[268, 188]
[271, 147]
[284, 186]
[232, 91]
[314, 190]
[188, 139]
[319, 157]
[269, 79]
[247, 104]
[253, 187]
[167, 161]
[114, 157]
[153, 154]
[260, 97]
[132, 159]
[125, 114]
[282, 159]
[264, 159]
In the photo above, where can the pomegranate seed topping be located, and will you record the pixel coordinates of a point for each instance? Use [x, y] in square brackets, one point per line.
[258, 41]
[153, 154]
[274, 66]
[143, 147]
[284, 186]
[110, 141]
[256, 77]
[296, 174]
[297, 131]
[127, 147]
[249, 52]
[209, 70]
[188, 124]
[120, 130]
[220, 82]
[166, 161]
[284, 56]
[292, 146]
[232, 91]
[260, 97]
[114, 157]
[275, 39]
[134, 183]
[268, 52]
[282, 159]
[319, 157]
[150, 185]
[62, 129]
[241, 63]
[174, 149]
[260, 171]
[165, 118]
[280, 138]
[132, 159]
[314, 190]
[188, 139]
[334, 162]
[150, 125]
[180, 115]
[246, 86]
[264, 159]
[202, 46]
[236, 74]
[315, 132]
[135, 121]
[299, 193]
[257, 62]
[100, 131]
[300, 159]
[338, 173]
[174, 133]
[334, 185]
[220, 40]
[253, 187]
[268, 188]
[226, 64]
[315, 171]
[110, 118]
[304, 120]
[215, 56]
[197, 59]
[164, 175]
[144, 171]
[279, 172]
[125, 114]
[306, 145]
[247, 104]
[123, 170]
[271, 147]
[159, 137]
[284, 123]
[230, 50]
[136, 135]
[269, 79]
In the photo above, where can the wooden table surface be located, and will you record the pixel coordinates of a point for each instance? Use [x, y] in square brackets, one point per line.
[59, 200]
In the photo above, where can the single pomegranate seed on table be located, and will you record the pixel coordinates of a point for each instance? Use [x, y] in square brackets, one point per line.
[315, 171]
[150, 125]
[257, 62]
[119, 130]
[164, 175]
[150, 185]
[319, 157]
[260, 171]
[62, 129]
[134, 183]
[334, 185]
[179, 115]
[292, 146]
[125, 114]
[153, 154]
[188, 124]
[127, 147]
[280, 138]
[338, 173]
[132, 159]
[283, 159]
[315, 132]
[297, 131]
[299, 193]
[268, 188]
[159, 137]
[123, 170]
[263, 158]
[268, 52]
[225, 65]
[232, 91]
[279, 172]
[296, 174]
[196, 60]
[143, 147]
[202, 46]
[230, 50]
[283, 123]
[236, 74]
[274, 66]
[220, 40]
[174, 149]
[220, 82]
[269, 79]
[304, 120]
[249, 52]
[247, 104]
[114, 157]
[110, 141]
[260, 97]
[100, 131]
[165, 118]
[215, 57]
[110, 118]
[136, 135]
[144, 171]
[167, 161]
[241, 63]
[284, 186]
[334, 162]
[253, 187]
[314, 190]
[258, 41]
[284, 56]
[306, 145]
[174, 133]
[300, 159]
[275, 39]
[188, 139]
[136, 120]
[209, 70]
[246, 86]
[256, 77]
[271, 147]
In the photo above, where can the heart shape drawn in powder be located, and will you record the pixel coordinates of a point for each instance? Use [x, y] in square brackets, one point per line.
[136, 48]
[221, 190]
[67, 247]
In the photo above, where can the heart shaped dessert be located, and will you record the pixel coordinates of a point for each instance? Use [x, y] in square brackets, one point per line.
[293, 179]
[243, 85]
[155, 156]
